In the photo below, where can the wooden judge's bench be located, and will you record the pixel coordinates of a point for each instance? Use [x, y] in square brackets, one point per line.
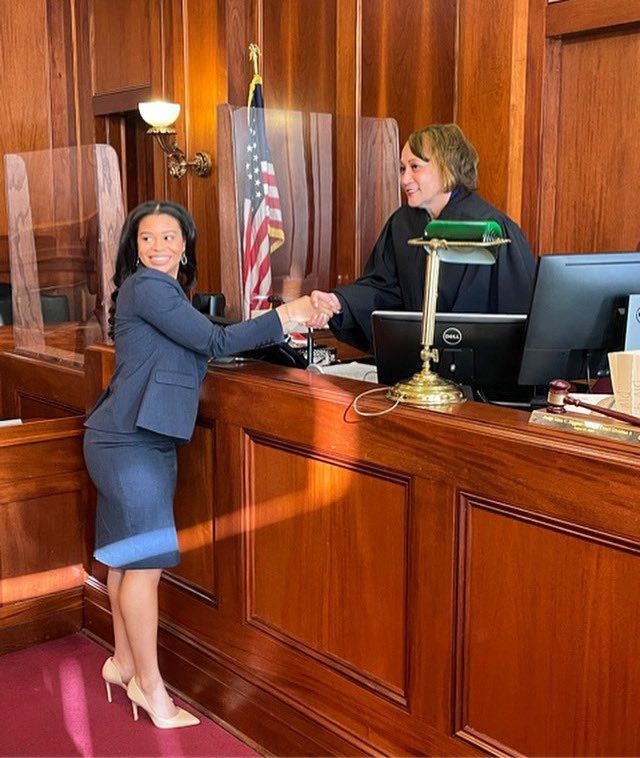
[449, 582]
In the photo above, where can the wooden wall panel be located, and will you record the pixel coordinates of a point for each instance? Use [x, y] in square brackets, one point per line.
[123, 45]
[205, 86]
[521, 669]
[194, 512]
[572, 16]
[43, 528]
[348, 260]
[408, 62]
[242, 24]
[519, 585]
[36, 389]
[311, 559]
[591, 160]
[299, 49]
[24, 83]
[491, 86]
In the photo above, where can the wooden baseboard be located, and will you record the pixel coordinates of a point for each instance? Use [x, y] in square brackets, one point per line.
[200, 677]
[30, 622]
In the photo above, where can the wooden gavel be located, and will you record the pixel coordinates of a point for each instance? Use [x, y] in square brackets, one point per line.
[558, 398]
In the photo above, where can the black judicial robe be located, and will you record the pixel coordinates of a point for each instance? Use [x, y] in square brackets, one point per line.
[393, 278]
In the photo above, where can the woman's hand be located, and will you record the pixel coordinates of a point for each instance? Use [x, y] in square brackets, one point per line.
[302, 311]
[326, 305]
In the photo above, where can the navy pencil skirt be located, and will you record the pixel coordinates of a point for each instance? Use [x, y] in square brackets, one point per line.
[135, 475]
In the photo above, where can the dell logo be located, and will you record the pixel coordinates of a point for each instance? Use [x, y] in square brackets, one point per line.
[452, 336]
[638, 315]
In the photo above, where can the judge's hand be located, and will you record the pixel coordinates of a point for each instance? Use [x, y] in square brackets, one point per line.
[326, 305]
[301, 311]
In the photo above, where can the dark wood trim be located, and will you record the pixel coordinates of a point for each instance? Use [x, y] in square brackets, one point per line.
[347, 130]
[118, 102]
[579, 16]
[30, 622]
[536, 47]
[549, 147]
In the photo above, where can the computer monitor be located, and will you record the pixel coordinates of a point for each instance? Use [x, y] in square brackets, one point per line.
[476, 349]
[577, 315]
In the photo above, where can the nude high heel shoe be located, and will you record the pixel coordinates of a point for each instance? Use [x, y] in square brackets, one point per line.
[111, 675]
[182, 717]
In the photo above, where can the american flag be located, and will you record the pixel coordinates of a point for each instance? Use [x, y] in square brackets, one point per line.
[263, 232]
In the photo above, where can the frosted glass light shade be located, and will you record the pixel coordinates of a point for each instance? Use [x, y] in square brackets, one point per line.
[159, 114]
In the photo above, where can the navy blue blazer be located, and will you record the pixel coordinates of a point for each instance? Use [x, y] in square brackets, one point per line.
[162, 348]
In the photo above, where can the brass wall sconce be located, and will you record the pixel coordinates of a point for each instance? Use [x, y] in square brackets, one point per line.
[161, 116]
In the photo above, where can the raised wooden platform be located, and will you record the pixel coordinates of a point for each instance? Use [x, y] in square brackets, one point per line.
[426, 582]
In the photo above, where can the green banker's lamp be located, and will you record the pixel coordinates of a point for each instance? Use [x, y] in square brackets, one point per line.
[465, 242]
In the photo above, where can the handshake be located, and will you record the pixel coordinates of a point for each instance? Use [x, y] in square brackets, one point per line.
[313, 310]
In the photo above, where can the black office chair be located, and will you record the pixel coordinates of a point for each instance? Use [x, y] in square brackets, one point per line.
[6, 313]
[209, 303]
[55, 309]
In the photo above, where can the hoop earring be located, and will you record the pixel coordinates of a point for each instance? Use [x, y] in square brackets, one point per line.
[183, 260]
[137, 262]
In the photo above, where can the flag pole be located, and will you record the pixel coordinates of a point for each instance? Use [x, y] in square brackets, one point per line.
[254, 56]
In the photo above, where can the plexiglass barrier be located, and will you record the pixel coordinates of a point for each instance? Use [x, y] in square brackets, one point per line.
[64, 215]
[303, 156]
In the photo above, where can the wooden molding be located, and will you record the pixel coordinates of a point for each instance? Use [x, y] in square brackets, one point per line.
[37, 620]
[120, 101]
[580, 16]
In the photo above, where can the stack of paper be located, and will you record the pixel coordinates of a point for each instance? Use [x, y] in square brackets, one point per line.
[625, 378]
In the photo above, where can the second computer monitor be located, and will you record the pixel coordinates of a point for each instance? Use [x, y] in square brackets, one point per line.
[578, 315]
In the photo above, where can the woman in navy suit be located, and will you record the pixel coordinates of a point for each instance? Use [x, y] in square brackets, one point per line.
[162, 348]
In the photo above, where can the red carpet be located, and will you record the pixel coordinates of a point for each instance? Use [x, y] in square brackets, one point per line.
[53, 703]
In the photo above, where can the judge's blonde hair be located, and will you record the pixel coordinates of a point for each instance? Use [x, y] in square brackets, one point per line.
[454, 155]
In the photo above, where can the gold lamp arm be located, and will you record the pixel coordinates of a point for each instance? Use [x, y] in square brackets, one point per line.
[177, 160]
[426, 388]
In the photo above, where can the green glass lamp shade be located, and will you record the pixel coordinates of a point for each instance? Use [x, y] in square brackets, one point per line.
[465, 231]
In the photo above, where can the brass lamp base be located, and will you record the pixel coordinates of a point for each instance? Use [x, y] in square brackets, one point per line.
[426, 388]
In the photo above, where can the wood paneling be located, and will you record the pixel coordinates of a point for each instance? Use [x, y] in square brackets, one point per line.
[123, 44]
[36, 389]
[554, 666]
[30, 622]
[44, 81]
[573, 16]
[205, 86]
[589, 150]
[403, 591]
[242, 25]
[43, 519]
[24, 81]
[194, 509]
[348, 107]
[299, 55]
[491, 90]
[408, 62]
[379, 178]
[311, 559]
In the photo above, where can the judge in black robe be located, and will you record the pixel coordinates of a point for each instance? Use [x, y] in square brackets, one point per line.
[393, 277]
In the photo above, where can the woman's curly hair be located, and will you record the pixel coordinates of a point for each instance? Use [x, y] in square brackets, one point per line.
[127, 258]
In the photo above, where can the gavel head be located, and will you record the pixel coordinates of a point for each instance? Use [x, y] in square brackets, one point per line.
[557, 395]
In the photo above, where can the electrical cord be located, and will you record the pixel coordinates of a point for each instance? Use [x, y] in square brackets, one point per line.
[356, 399]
